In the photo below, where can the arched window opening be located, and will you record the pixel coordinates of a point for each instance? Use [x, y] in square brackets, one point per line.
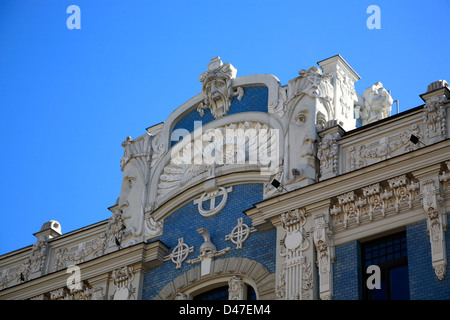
[222, 293]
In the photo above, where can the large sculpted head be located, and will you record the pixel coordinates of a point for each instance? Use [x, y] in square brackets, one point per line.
[217, 87]
[377, 103]
[316, 84]
[131, 204]
[308, 103]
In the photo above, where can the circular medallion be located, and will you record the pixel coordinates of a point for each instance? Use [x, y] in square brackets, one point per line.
[122, 294]
[293, 240]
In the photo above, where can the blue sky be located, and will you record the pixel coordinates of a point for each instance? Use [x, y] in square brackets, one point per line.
[69, 97]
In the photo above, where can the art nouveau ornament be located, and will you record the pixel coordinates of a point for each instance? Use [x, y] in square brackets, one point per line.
[351, 207]
[239, 233]
[403, 190]
[208, 252]
[327, 154]
[377, 104]
[236, 289]
[295, 280]
[377, 200]
[217, 88]
[445, 176]
[83, 292]
[390, 196]
[278, 107]
[384, 147]
[344, 97]
[198, 158]
[179, 253]
[308, 99]
[122, 279]
[322, 236]
[436, 225]
[211, 198]
[135, 165]
[435, 119]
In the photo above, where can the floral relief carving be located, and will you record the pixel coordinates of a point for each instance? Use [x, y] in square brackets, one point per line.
[374, 200]
[383, 148]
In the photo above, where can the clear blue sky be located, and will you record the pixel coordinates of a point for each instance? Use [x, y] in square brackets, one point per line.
[68, 98]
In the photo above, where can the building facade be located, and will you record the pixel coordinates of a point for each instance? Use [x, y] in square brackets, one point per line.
[256, 190]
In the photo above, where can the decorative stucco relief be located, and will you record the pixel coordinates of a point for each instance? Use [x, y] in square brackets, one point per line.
[217, 88]
[295, 277]
[373, 201]
[377, 104]
[385, 147]
[432, 201]
[242, 143]
[323, 242]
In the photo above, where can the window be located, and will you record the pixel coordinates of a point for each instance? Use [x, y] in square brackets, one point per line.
[390, 254]
[251, 294]
[221, 293]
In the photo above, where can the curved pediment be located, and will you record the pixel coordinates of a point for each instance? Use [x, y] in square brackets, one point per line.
[255, 95]
[237, 130]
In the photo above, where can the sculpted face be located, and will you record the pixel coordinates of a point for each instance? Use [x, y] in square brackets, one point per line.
[301, 140]
[217, 87]
[130, 200]
[218, 93]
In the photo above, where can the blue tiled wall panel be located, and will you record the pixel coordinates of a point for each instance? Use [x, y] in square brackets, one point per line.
[347, 272]
[183, 223]
[423, 282]
[254, 99]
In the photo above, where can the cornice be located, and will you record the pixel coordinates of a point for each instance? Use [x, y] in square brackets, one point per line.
[145, 255]
[264, 211]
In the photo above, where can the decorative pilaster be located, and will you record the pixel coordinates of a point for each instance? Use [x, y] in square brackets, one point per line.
[295, 280]
[236, 288]
[436, 224]
[323, 243]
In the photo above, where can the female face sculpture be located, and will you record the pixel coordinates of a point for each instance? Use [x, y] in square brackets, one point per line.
[130, 200]
[301, 141]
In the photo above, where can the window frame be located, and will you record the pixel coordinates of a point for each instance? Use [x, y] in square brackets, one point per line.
[387, 265]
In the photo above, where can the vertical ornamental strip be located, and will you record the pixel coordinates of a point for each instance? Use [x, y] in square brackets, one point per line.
[296, 273]
[431, 196]
[324, 247]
